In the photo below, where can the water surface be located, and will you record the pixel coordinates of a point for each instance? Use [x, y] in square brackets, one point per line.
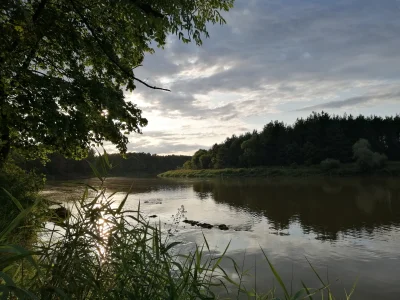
[347, 228]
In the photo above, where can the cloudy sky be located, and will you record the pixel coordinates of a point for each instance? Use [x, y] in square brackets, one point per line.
[273, 60]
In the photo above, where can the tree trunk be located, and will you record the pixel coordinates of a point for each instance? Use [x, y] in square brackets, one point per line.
[5, 143]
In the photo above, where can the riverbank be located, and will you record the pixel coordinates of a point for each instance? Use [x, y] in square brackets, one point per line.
[345, 170]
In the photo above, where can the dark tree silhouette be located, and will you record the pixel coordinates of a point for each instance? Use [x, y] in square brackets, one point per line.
[308, 141]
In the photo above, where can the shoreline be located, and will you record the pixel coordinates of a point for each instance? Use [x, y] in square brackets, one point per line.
[392, 169]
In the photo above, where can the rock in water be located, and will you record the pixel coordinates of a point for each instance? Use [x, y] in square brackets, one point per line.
[223, 227]
[191, 222]
[205, 225]
[61, 212]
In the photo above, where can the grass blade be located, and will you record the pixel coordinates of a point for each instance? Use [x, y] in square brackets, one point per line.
[352, 290]
[221, 257]
[278, 278]
[307, 290]
[18, 219]
[121, 205]
[16, 202]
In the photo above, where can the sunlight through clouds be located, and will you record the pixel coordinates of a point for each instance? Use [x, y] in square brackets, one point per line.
[273, 60]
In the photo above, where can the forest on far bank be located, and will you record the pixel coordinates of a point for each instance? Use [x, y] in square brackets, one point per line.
[319, 138]
[133, 164]
[329, 140]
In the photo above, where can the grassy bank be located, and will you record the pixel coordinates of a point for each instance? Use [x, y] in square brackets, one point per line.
[344, 170]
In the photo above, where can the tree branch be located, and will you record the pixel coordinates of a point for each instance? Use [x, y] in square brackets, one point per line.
[112, 57]
[41, 73]
[149, 86]
[39, 9]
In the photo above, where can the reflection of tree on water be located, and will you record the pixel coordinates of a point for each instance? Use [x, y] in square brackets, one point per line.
[330, 186]
[371, 195]
[325, 207]
[212, 189]
[141, 185]
[203, 189]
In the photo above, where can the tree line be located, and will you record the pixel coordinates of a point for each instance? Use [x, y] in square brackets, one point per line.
[317, 138]
[138, 164]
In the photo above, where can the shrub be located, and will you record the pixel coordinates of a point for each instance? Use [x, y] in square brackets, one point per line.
[187, 165]
[21, 184]
[330, 164]
[24, 186]
[205, 161]
[366, 159]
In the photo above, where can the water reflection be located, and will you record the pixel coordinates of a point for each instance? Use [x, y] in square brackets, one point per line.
[349, 226]
[326, 207]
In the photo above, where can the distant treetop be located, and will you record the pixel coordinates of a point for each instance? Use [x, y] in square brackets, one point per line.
[308, 141]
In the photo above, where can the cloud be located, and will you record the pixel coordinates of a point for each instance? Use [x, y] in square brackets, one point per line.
[279, 42]
[354, 101]
[271, 58]
[169, 148]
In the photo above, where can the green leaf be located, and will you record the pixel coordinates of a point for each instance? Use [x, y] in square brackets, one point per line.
[121, 205]
[95, 171]
[16, 202]
[105, 157]
[307, 290]
[18, 28]
[7, 279]
[171, 245]
[221, 257]
[18, 219]
[298, 295]
[20, 252]
[316, 273]
[353, 288]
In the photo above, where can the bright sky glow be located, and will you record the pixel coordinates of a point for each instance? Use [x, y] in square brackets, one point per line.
[274, 60]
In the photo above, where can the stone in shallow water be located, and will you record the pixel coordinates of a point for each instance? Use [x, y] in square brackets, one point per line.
[191, 222]
[223, 227]
[61, 212]
[205, 225]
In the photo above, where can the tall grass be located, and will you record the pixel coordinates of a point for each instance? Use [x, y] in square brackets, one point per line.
[103, 251]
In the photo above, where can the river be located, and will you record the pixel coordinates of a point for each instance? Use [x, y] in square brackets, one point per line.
[349, 228]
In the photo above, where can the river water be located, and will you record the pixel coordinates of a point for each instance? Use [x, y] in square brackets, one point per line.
[348, 228]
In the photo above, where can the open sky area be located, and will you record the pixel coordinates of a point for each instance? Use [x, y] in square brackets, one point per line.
[273, 60]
